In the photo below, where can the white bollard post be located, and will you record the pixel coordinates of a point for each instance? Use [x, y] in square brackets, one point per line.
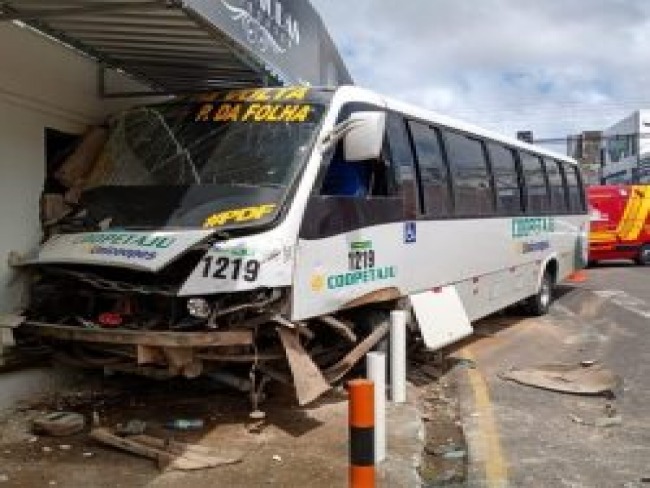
[398, 356]
[376, 366]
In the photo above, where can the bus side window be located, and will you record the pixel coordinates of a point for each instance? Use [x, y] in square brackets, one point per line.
[434, 176]
[506, 178]
[472, 186]
[403, 164]
[556, 186]
[537, 201]
[576, 193]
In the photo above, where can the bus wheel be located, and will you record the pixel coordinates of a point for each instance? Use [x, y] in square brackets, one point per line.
[643, 258]
[540, 302]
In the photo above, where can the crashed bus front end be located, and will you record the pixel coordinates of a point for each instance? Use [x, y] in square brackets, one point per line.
[175, 257]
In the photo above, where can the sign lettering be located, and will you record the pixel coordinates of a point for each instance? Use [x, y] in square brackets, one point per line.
[126, 239]
[254, 112]
[238, 215]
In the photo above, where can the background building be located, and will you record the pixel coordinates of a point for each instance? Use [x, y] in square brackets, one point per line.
[587, 148]
[627, 149]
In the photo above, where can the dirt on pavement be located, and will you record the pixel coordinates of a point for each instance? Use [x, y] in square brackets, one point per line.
[292, 446]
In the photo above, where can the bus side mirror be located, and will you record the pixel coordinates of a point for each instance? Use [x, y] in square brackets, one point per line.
[365, 137]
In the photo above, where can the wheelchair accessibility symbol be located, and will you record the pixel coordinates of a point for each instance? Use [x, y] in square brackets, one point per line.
[410, 232]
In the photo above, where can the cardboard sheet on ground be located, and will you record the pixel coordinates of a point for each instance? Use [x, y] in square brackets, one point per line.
[567, 378]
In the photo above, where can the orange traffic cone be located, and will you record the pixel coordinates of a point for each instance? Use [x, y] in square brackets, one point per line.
[579, 276]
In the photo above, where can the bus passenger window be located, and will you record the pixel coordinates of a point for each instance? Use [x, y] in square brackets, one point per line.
[433, 170]
[472, 186]
[537, 201]
[576, 193]
[403, 164]
[504, 168]
[556, 185]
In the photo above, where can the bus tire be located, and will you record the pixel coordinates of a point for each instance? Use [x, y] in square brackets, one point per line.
[540, 302]
[643, 259]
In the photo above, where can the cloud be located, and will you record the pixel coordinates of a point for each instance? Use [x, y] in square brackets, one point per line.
[553, 66]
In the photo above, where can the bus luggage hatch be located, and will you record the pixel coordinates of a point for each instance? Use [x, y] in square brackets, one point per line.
[441, 316]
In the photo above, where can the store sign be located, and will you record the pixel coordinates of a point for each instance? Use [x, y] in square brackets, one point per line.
[267, 24]
[286, 36]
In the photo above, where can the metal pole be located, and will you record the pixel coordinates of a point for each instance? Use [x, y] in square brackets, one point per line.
[376, 367]
[398, 356]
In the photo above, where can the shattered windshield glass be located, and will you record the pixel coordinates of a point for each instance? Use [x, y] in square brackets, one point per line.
[179, 163]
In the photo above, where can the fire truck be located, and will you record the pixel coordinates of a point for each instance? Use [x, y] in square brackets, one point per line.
[620, 223]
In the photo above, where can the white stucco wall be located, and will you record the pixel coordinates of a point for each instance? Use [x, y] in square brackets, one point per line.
[42, 84]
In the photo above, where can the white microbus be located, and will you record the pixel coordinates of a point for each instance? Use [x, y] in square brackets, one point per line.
[269, 232]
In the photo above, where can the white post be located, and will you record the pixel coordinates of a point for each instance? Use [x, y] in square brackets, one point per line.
[376, 366]
[398, 356]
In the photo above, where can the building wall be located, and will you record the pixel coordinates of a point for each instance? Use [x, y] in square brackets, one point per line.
[644, 132]
[622, 136]
[629, 166]
[42, 84]
[586, 148]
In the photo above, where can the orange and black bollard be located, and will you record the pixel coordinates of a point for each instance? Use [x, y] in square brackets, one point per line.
[361, 418]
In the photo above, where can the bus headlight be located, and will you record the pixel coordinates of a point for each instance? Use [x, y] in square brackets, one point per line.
[199, 308]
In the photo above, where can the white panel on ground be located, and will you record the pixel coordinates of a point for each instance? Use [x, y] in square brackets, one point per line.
[441, 317]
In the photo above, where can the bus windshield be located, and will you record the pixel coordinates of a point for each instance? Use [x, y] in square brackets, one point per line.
[184, 164]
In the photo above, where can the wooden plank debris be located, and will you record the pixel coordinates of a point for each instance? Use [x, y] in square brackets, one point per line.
[146, 338]
[168, 454]
[307, 377]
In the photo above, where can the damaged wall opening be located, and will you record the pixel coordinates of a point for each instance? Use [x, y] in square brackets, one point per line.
[58, 147]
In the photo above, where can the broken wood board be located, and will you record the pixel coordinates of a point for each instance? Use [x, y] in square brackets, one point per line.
[307, 377]
[337, 371]
[58, 424]
[145, 338]
[11, 321]
[168, 454]
[79, 164]
[53, 208]
[567, 378]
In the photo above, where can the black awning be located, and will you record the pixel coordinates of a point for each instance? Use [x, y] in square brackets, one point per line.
[178, 46]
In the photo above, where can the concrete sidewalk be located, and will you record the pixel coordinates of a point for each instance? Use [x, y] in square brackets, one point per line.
[293, 447]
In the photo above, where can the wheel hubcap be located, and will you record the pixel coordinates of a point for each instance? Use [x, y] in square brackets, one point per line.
[545, 294]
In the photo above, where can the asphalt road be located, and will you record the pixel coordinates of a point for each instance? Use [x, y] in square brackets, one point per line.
[520, 436]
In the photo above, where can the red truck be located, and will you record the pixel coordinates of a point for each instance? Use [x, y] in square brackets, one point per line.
[620, 223]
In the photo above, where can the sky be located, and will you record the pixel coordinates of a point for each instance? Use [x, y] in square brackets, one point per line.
[555, 67]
